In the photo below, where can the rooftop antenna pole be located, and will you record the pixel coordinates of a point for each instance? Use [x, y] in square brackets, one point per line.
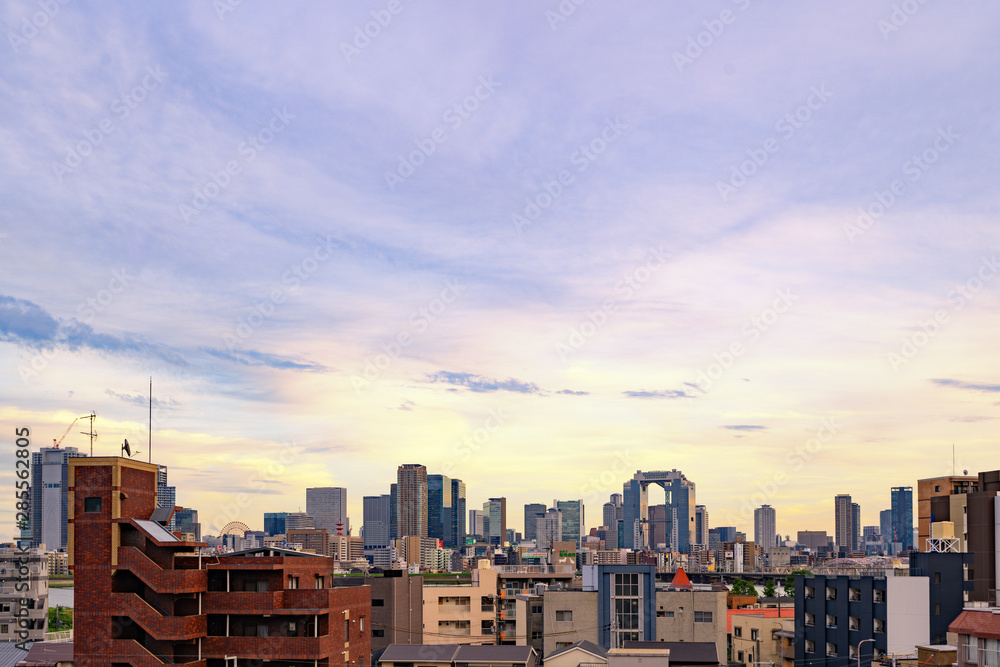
[953, 459]
[150, 447]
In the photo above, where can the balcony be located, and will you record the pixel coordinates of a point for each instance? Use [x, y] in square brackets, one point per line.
[272, 648]
[160, 580]
[454, 608]
[131, 651]
[787, 652]
[156, 623]
[309, 600]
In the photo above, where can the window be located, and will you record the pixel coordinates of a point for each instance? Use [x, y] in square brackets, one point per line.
[347, 628]
[810, 619]
[292, 629]
[5, 607]
[536, 609]
[853, 652]
[971, 652]
[91, 504]
[810, 646]
[664, 614]
[319, 581]
[831, 593]
[361, 624]
[536, 634]
[880, 625]
[563, 644]
[739, 656]
[810, 592]
[937, 609]
[255, 585]
[703, 617]
[378, 602]
[564, 615]
[3, 629]
[878, 595]
[937, 577]
[737, 631]
[831, 650]
[487, 604]
[937, 488]
[854, 623]
[855, 595]
[754, 634]
[486, 627]
[378, 633]
[293, 582]
[831, 621]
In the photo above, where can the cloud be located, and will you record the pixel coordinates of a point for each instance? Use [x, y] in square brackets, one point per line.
[660, 393]
[570, 392]
[971, 386]
[484, 384]
[29, 325]
[745, 427]
[140, 399]
[406, 406]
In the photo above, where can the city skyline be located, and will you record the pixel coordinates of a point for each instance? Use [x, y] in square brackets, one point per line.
[764, 257]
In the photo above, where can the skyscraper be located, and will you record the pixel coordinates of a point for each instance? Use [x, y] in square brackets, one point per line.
[843, 532]
[476, 526]
[764, 521]
[548, 528]
[394, 511]
[902, 517]
[50, 496]
[327, 505]
[376, 521]
[701, 525]
[411, 503]
[459, 500]
[187, 522]
[440, 509]
[680, 497]
[496, 510]
[274, 523]
[856, 543]
[885, 528]
[572, 518]
[532, 512]
[166, 496]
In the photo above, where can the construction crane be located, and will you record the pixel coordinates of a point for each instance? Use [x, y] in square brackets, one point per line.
[92, 433]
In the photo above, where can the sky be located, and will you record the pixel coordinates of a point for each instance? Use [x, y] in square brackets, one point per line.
[537, 246]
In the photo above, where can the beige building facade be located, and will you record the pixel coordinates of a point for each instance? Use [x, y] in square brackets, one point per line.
[462, 613]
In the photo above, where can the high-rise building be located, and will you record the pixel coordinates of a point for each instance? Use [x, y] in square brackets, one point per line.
[532, 512]
[476, 526]
[843, 533]
[327, 505]
[496, 510]
[166, 496]
[680, 503]
[764, 521]
[573, 519]
[658, 527]
[298, 521]
[187, 522]
[902, 517]
[548, 529]
[885, 530]
[701, 525]
[440, 509]
[394, 511]
[376, 521]
[941, 488]
[49, 496]
[856, 544]
[274, 523]
[411, 480]
[609, 514]
[459, 500]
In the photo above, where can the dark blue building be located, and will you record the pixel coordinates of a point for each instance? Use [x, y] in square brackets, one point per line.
[902, 517]
[274, 523]
[949, 587]
[833, 615]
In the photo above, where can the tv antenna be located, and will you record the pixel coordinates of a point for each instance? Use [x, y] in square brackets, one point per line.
[92, 433]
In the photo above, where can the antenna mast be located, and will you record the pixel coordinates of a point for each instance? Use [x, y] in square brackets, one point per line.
[150, 447]
[92, 433]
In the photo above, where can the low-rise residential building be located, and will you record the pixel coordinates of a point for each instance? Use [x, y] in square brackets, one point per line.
[570, 616]
[58, 563]
[977, 633]
[459, 655]
[578, 653]
[756, 635]
[687, 613]
[24, 595]
[461, 612]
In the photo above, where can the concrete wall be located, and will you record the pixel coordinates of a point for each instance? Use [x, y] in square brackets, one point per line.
[682, 626]
[583, 604]
[454, 614]
[907, 613]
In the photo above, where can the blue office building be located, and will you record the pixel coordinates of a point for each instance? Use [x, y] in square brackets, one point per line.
[902, 517]
[274, 523]
[626, 602]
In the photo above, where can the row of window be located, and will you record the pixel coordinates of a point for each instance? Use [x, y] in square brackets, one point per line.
[853, 594]
[831, 650]
[853, 622]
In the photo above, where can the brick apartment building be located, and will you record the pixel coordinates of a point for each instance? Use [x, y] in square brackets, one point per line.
[145, 598]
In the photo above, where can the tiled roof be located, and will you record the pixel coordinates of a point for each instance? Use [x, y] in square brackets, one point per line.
[978, 623]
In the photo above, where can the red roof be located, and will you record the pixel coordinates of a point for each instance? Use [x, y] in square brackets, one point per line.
[985, 624]
[680, 580]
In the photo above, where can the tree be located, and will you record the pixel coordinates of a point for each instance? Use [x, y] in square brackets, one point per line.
[790, 581]
[743, 587]
[770, 590]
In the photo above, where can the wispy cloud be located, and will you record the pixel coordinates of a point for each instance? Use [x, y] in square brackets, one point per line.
[970, 386]
[484, 384]
[141, 399]
[570, 392]
[744, 427]
[659, 393]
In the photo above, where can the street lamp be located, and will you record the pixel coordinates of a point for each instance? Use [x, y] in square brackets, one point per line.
[859, 649]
